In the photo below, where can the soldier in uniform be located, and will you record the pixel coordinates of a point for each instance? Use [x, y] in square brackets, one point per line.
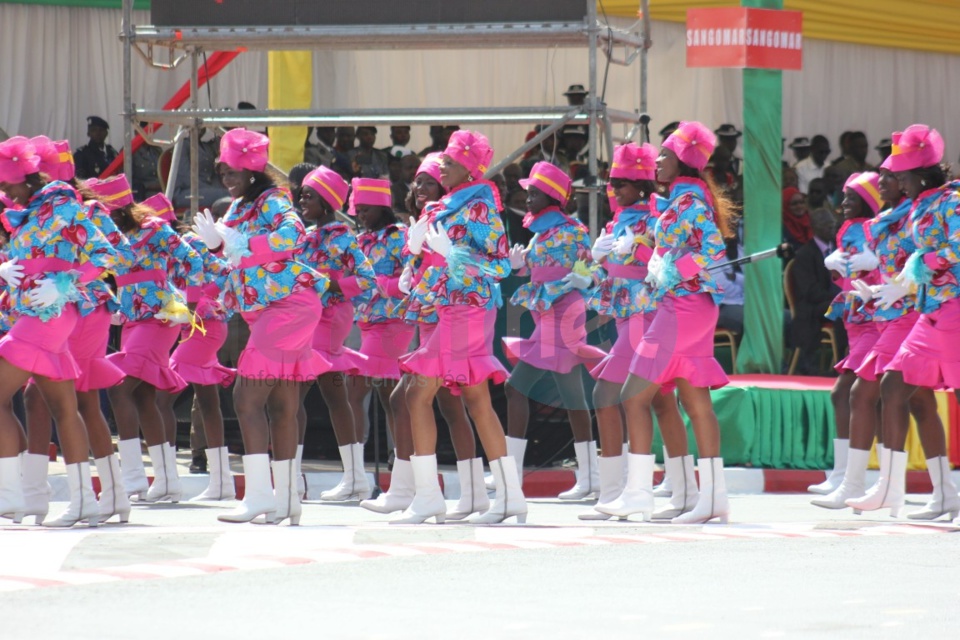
[92, 158]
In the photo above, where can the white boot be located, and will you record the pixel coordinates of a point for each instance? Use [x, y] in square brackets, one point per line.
[852, 486]
[298, 472]
[840, 448]
[588, 475]
[473, 495]
[401, 492]
[288, 502]
[611, 485]
[944, 499]
[113, 497]
[685, 494]
[713, 502]
[258, 498]
[665, 488]
[637, 496]
[220, 486]
[166, 480]
[508, 500]
[516, 449]
[428, 499]
[11, 489]
[883, 459]
[83, 503]
[36, 491]
[353, 485]
[890, 489]
[131, 463]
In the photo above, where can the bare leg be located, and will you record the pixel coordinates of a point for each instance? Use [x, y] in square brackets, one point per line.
[11, 431]
[151, 419]
[895, 394]
[39, 421]
[402, 435]
[606, 402]
[358, 388]
[208, 397]
[302, 410]
[61, 397]
[98, 432]
[672, 429]
[282, 408]
[840, 397]
[637, 398]
[125, 409]
[336, 396]
[518, 412]
[923, 407]
[864, 399]
[570, 387]
[168, 417]
[461, 431]
[420, 394]
[250, 403]
[698, 405]
[477, 400]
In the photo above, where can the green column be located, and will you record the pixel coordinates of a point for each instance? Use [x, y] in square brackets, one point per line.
[762, 348]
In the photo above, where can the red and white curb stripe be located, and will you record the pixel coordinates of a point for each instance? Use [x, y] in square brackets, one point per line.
[305, 547]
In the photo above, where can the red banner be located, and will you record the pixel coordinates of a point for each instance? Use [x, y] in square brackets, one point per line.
[740, 37]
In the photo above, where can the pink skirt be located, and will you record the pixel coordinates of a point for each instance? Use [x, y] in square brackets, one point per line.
[88, 345]
[615, 367]
[930, 355]
[42, 347]
[280, 342]
[892, 335]
[383, 343]
[862, 336]
[679, 343]
[195, 359]
[459, 351]
[559, 343]
[145, 353]
[329, 336]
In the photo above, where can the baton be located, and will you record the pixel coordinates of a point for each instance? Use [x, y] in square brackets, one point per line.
[784, 251]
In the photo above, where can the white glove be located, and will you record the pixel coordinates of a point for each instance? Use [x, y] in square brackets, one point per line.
[235, 243]
[518, 256]
[117, 319]
[416, 234]
[438, 240]
[654, 267]
[838, 261]
[577, 281]
[866, 261]
[12, 273]
[863, 290]
[406, 280]
[624, 244]
[205, 227]
[602, 246]
[891, 291]
[45, 294]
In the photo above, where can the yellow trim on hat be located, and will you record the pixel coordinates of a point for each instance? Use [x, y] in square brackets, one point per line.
[869, 188]
[329, 190]
[679, 133]
[116, 196]
[65, 156]
[895, 150]
[551, 183]
[376, 189]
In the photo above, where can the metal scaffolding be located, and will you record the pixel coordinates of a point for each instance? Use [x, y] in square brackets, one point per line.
[189, 43]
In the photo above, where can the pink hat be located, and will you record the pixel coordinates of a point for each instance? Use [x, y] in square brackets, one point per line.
[867, 186]
[917, 147]
[329, 185]
[431, 165]
[68, 169]
[161, 206]
[56, 160]
[18, 159]
[634, 162]
[693, 143]
[369, 191]
[550, 179]
[242, 149]
[114, 192]
[470, 149]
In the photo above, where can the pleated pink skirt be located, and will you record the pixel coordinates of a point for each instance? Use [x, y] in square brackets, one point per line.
[88, 345]
[559, 342]
[383, 344]
[145, 353]
[195, 358]
[891, 336]
[42, 347]
[930, 354]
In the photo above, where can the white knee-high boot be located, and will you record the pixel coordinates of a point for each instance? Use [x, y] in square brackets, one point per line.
[400, 494]
[288, 502]
[361, 484]
[131, 463]
[36, 490]
[473, 494]
[258, 498]
[428, 499]
[852, 485]
[713, 502]
[166, 480]
[665, 488]
[353, 485]
[516, 449]
[12, 504]
[220, 486]
[83, 503]
[588, 475]
[889, 492]
[637, 496]
[298, 471]
[684, 494]
[944, 499]
[113, 497]
[508, 500]
[841, 446]
[611, 485]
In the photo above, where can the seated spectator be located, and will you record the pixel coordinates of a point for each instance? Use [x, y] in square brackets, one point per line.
[797, 230]
[813, 165]
[854, 159]
[550, 151]
[729, 136]
[399, 136]
[401, 186]
[515, 208]
[576, 95]
[833, 181]
[145, 180]
[884, 148]
[817, 195]
[365, 160]
[210, 188]
[92, 158]
[574, 144]
[789, 178]
[801, 149]
[439, 136]
[512, 173]
[814, 290]
[321, 152]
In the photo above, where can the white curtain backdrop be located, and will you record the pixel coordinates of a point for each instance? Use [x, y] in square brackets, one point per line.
[59, 65]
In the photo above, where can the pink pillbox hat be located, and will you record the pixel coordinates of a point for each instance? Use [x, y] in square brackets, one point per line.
[867, 186]
[470, 149]
[431, 165]
[56, 160]
[18, 159]
[242, 149]
[329, 185]
[161, 206]
[550, 179]
[369, 191]
[634, 162]
[114, 192]
[68, 170]
[693, 143]
[917, 147]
